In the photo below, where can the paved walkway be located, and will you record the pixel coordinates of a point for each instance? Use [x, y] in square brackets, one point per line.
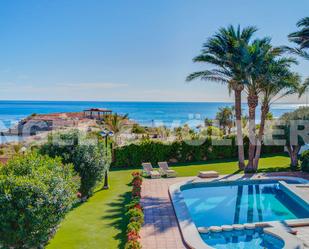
[160, 230]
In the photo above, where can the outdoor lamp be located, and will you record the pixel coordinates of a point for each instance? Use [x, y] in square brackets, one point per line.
[105, 134]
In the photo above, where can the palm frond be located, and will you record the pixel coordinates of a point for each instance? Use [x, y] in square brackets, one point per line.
[208, 75]
[303, 22]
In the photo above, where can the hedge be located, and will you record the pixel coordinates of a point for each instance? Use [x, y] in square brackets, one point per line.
[179, 151]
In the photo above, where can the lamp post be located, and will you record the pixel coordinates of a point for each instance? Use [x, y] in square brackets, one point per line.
[23, 150]
[105, 134]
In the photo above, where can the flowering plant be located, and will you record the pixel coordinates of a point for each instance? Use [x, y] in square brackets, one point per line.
[135, 213]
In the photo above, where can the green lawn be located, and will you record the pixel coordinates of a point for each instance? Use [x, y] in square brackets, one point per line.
[100, 222]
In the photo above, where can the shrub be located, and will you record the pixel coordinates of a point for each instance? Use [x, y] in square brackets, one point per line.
[88, 157]
[133, 244]
[304, 158]
[214, 131]
[134, 226]
[135, 214]
[137, 185]
[137, 129]
[35, 193]
[135, 202]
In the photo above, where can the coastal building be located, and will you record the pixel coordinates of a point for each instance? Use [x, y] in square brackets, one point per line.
[96, 113]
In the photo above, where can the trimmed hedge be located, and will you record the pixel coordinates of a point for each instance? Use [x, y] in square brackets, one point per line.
[179, 151]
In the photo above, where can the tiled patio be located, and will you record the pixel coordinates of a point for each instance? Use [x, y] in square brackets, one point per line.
[160, 230]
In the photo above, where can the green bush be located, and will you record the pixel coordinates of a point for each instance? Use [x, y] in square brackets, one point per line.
[214, 131]
[137, 129]
[304, 158]
[133, 244]
[136, 215]
[180, 151]
[35, 193]
[88, 157]
[134, 226]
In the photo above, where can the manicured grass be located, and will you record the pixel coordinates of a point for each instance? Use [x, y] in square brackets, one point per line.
[100, 222]
[270, 163]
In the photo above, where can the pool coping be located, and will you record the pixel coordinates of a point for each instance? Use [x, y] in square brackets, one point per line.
[191, 235]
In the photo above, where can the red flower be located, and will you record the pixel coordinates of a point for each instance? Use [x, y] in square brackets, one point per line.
[136, 173]
[133, 235]
[138, 206]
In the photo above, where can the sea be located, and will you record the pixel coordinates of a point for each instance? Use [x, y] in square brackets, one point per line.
[145, 113]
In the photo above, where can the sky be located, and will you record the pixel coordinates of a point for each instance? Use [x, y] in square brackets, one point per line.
[125, 50]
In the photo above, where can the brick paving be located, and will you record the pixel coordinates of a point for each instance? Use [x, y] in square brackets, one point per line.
[303, 234]
[160, 230]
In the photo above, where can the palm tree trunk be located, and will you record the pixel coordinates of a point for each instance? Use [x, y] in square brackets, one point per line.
[252, 104]
[240, 142]
[293, 152]
[264, 111]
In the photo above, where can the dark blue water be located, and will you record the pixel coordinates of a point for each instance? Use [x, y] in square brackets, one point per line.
[146, 113]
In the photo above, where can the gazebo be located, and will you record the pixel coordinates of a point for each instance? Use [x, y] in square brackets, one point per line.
[96, 113]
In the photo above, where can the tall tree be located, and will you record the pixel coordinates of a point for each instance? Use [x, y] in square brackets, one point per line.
[257, 54]
[277, 82]
[225, 52]
[262, 58]
[301, 37]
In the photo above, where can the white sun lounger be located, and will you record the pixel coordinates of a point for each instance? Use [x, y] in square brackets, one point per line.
[149, 171]
[166, 170]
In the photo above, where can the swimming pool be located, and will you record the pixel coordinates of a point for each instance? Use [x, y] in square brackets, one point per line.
[241, 202]
[253, 239]
[210, 211]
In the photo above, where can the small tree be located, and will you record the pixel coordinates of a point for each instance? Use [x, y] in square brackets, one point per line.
[35, 193]
[225, 116]
[89, 157]
[293, 122]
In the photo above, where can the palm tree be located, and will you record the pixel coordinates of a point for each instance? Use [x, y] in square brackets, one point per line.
[277, 81]
[225, 116]
[225, 51]
[301, 37]
[115, 122]
[259, 53]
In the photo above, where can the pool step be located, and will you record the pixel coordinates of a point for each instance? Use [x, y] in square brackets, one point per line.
[217, 229]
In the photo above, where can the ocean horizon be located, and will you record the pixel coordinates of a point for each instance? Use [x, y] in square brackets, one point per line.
[145, 113]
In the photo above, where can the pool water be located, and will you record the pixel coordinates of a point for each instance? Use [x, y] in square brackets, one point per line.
[253, 239]
[241, 203]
